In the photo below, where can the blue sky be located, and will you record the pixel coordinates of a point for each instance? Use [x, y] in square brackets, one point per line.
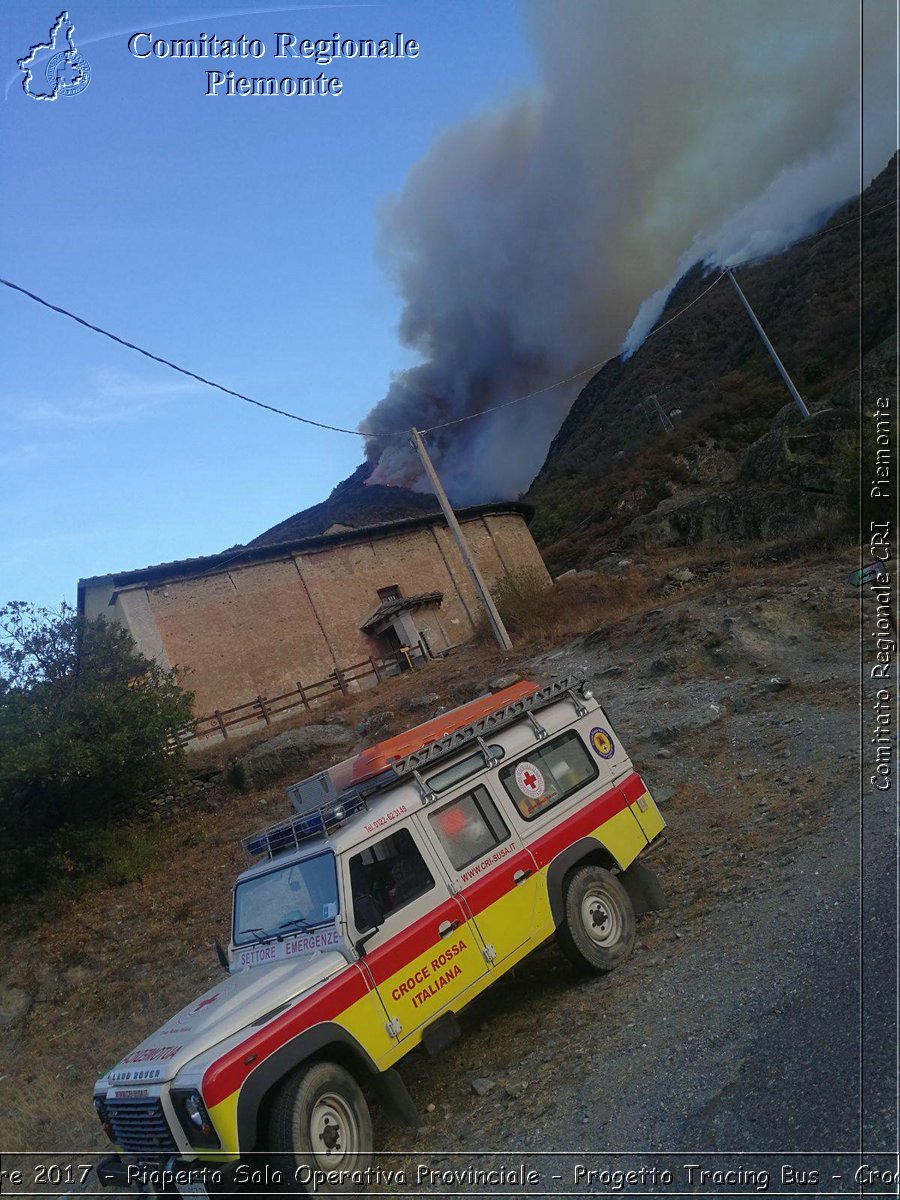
[238, 236]
[234, 235]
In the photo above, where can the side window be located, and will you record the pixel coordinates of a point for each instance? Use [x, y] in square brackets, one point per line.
[441, 781]
[392, 873]
[548, 774]
[469, 827]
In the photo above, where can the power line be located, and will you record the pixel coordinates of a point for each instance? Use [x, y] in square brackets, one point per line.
[181, 370]
[281, 412]
[585, 371]
[657, 329]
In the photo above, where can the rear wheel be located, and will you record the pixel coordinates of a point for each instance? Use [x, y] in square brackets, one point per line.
[320, 1124]
[597, 932]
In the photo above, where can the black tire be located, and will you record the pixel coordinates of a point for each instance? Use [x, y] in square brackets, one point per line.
[320, 1121]
[597, 930]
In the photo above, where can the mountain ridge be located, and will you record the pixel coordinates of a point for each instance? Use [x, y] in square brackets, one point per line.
[708, 368]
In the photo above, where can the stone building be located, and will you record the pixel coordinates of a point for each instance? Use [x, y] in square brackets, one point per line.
[257, 619]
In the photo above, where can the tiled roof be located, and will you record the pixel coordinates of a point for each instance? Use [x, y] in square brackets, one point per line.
[390, 608]
[210, 564]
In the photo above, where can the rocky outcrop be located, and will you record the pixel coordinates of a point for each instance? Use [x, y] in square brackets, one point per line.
[803, 456]
[286, 753]
[738, 514]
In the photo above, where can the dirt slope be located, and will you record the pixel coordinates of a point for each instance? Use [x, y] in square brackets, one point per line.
[734, 696]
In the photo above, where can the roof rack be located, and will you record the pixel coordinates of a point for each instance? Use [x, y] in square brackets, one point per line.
[317, 822]
[323, 820]
[524, 706]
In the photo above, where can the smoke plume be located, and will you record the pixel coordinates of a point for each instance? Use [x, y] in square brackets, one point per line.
[659, 133]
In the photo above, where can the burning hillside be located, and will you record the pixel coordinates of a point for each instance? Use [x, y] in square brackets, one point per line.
[526, 241]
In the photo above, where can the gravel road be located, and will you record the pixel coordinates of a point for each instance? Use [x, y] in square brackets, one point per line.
[736, 1026]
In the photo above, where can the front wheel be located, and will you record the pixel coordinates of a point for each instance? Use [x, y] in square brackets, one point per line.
[320, 1131]
[597, 931]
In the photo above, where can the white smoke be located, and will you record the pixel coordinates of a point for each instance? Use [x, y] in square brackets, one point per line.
[526, 240]
[798, 200]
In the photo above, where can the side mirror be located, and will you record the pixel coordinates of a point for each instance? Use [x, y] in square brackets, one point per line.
[222, 956]
[368, 917]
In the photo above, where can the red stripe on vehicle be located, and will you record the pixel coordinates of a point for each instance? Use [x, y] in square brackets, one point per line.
[227, 1073]
[417, 938]
[584, 821]
[490, 887]
[632, 787]
[498, 881]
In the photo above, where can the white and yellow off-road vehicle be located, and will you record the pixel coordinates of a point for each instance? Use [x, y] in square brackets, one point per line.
[405, 882]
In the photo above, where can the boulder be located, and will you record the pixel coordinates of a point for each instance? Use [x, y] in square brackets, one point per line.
[422, 703]
[373, 723]
[802, 456]
[15, 1003]
[287, 754]
[499, 682]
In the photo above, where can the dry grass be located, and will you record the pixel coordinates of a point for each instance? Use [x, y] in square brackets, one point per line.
[543, 615]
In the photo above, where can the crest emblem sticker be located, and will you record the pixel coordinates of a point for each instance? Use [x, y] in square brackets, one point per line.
[602, 743]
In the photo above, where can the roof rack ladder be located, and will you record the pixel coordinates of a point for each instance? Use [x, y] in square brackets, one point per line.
[428, 796]
[489, 759]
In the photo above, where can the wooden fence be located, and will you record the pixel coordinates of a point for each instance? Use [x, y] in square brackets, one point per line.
[304, 695]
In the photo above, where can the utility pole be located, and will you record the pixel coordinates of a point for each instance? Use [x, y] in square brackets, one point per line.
[496, 622]
[789, 383]
[664, 418]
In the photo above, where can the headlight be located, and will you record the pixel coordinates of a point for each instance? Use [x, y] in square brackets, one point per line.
[587, 691]
[194, 1118]
[193, 1106]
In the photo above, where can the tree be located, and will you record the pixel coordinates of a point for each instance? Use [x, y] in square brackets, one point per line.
[88, 724]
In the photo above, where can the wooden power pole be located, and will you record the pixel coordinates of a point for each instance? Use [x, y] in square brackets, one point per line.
[496, 621]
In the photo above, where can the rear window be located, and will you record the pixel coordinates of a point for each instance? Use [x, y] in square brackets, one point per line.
[548, 774]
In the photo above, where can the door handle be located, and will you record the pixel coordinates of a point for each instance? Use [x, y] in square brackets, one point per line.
[446, 928]
[520, 876]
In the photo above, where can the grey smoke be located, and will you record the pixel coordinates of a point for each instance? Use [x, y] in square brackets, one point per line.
[663, 132]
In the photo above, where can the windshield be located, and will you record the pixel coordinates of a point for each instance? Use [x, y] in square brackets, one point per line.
[298, 896]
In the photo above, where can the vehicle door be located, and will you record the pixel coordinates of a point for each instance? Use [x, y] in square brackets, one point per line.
[487, 866]
[423, 953]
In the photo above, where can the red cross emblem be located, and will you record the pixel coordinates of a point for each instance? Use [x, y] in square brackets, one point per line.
[529, 780]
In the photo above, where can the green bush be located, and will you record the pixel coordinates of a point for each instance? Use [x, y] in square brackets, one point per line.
[87, 726]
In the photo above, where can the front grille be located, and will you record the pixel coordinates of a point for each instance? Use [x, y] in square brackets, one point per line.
[139, 1126]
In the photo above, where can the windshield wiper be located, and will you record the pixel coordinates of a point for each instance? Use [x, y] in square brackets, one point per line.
[263, 934]
[295, 922]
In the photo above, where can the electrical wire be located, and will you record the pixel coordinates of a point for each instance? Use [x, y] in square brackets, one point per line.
[281, 412]
[181, 370]
[656, 329]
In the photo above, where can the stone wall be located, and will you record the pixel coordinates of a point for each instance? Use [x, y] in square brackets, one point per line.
[259, 627]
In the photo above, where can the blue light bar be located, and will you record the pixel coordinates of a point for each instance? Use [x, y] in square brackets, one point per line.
[317, 822]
